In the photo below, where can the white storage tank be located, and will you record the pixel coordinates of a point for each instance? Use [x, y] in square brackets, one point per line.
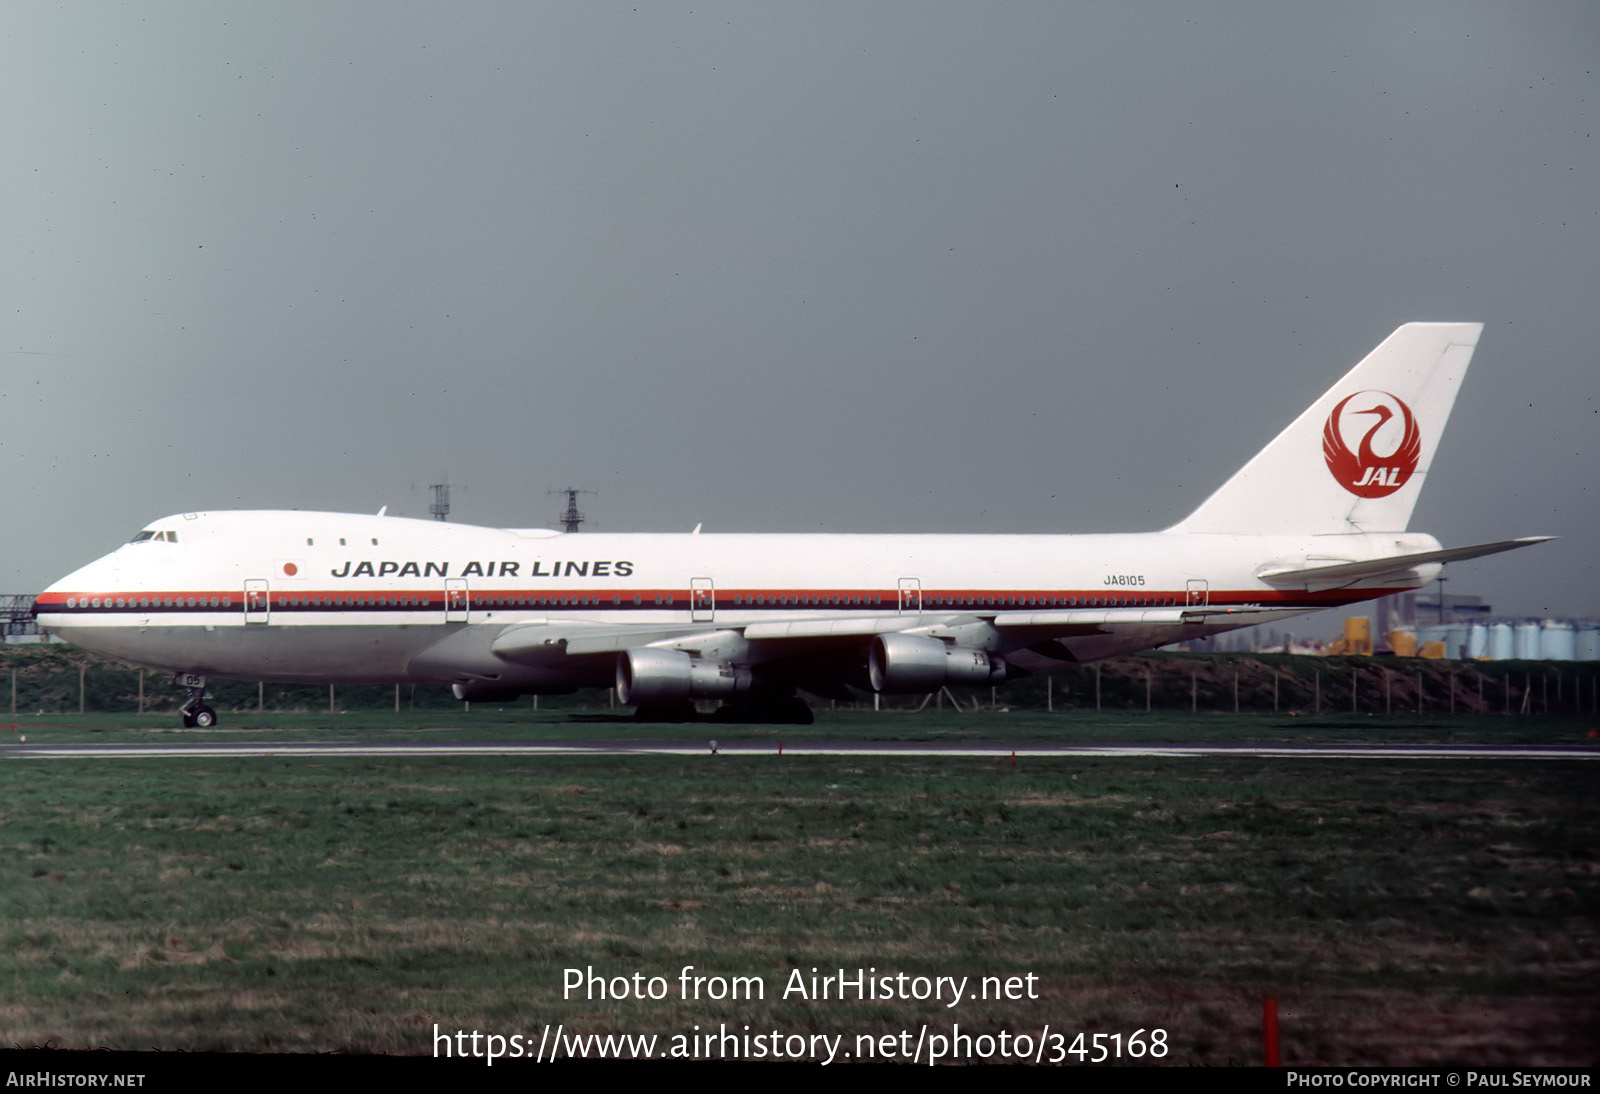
[1501, 642]
[1557, 641]
[1587, 643]
[1477, 641]
[1527, 645]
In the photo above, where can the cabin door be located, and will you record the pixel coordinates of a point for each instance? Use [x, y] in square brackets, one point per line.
[910, 596]
[257, 600]
[456, 601]
[702, 600]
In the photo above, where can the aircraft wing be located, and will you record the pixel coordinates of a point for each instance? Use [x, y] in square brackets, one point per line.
[1347, 573]
[543, 643]
[540, 643]
[1102, 620]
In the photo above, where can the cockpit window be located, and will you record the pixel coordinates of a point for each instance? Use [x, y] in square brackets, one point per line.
[142, 536]
[163, 537]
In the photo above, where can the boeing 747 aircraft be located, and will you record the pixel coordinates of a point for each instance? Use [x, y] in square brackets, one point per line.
[1316, 520]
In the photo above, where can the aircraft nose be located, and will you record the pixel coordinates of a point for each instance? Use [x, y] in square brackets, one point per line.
[90, 578]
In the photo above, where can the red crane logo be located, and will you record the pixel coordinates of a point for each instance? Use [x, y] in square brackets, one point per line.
[1366, 472]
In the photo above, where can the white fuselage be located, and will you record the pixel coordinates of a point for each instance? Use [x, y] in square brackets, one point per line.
[349, 598]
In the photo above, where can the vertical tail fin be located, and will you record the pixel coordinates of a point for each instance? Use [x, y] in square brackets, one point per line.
[1356, 460]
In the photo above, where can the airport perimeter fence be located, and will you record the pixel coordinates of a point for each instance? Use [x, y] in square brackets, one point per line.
[60, 679]
[1245, 683]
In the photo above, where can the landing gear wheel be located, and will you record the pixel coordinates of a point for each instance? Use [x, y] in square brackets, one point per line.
[796, 712]
[667, 712]
[791, 711]
[196, 715]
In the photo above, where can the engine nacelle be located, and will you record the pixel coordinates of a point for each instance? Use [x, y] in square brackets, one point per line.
[905, 662]
[649, 676]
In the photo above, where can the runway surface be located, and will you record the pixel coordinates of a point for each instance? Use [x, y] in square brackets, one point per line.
[978, 749]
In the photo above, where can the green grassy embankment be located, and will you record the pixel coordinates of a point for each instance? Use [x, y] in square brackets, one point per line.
[1401, 913]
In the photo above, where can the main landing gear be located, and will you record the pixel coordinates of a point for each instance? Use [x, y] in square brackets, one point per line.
[783, 710]
[776, 710]
[196, 715]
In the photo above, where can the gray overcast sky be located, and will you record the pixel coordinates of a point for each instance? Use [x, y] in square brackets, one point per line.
[804, 266]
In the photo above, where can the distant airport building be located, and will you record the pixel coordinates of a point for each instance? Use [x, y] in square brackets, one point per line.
[1428, 624]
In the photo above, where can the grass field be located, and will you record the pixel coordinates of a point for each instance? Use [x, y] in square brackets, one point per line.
[1405, 913]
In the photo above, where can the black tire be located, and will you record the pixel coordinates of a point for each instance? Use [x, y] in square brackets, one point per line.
[667, 712]
[188, 721]
[204, 718]
[792, 711]
[795, 712]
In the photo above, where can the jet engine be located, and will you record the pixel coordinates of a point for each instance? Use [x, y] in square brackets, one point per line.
[905, 662]
[646, 677]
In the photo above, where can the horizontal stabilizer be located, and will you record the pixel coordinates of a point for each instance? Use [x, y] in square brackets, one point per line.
[1343, 572]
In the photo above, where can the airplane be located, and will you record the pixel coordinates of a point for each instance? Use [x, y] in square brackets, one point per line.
[1317, 519]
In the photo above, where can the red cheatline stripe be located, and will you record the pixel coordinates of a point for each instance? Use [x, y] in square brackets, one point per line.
[743, 599]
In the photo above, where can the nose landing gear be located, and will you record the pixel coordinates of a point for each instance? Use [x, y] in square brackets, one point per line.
[196, 715]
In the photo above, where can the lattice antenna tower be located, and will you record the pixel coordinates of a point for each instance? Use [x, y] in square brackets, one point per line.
[571, 518]
[440, 509]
